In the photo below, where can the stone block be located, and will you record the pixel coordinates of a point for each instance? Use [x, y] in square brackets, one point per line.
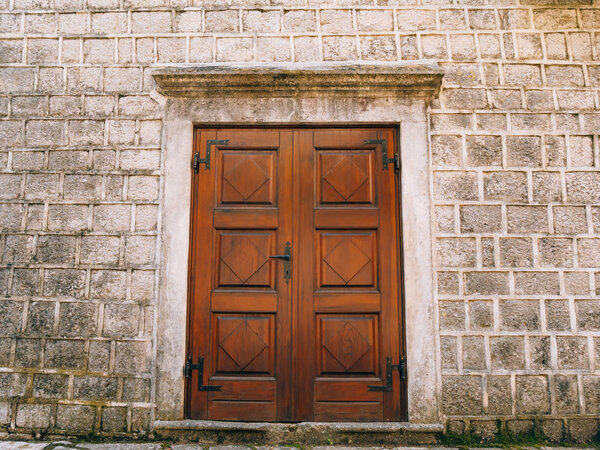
[68, 217]
[82, 187]
[374, 20]
[539, 352]
[556, 46]
[42, 51]
[122, 79]
[581, 147]
[100, 250]
[336, 20]
[473, 353]
[136, 389]
[77, 319]
[591, 393]
[588, 252]
[95, 388]
[444, 216]
[76, 23]
[18, 249]
[121, 320]
[114, 419]
[5, 351]
[448, 352]
[78, 418]
[109, 22]
[527, 75]
[516, 252]
[150, 131]
[456, 252]
[583, 187]
[572, 352]
[455, 186]
[10, 185]
[5, 413]
[588, 314]
[299, 21]
[50, 386]
[577, 283]
[527, 219]
[27, 353]
[64, 282]
[558, 315]
[339, 48]
[524, 151]
[486, 430]
[499, 394]
[43, 133]
[26, 282]
[484, 150]
[564, 76]
[155, 22]
[378, 48]
[511, 19]
[98, 51]
[99, 356]
[537, 283]
[409, 47]
[306, 48]
[86, 132]
[112, 218]
[12, 385]
[11, 217]
[273, 49]
[235, 49]
[507, 186]
[140, 419]
[481, 315]
[34, 416]
[555, 252]
[566, 394]
[489, 46]
[452, 315]
[65, 105]
[11, 312]
[462, 395]
[140, 250]
[480, 218]
[99, 105]
[133, 357]
[35, 213]
[146, 217]
[447, 283]
[583, 429]
[451, 122]
[570, 219]
[108, 284]
[55, 249]
[519, 315]
[434, 46]
[17, 79]
[446, 150]
[554, 18]
[462, 46]
[40, 318]
[507, 352]
[552, 429]
[170, 50]
[486, 283]
[64, 354]
[533, 396]
[27, 160]
[540, 100]
[84, 79]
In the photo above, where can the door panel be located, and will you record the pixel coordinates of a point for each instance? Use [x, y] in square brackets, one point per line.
[305, 346]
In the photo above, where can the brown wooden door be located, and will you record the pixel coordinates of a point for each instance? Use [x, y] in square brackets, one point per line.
[309, 338]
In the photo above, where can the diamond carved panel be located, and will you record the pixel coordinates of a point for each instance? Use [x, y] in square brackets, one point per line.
[347, 344]
[246, 177]
[346, 177]
[244, 344]
[347, 258]
[243, 258]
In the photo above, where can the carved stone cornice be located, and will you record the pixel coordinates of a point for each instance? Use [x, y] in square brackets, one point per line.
[348, 79]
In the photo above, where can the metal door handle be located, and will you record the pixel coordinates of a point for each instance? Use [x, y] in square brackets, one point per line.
[286, 257]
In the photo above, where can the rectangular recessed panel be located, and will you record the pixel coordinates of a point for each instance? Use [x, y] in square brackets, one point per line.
[243, 344]
[243, 258]
[246, 177]
[345, 177]
[347, 344]
[346, 259]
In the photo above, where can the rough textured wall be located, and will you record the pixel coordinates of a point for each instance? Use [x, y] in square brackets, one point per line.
[514, 141]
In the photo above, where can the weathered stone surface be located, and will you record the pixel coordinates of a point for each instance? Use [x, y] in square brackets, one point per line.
[462, 394]
[507, 352]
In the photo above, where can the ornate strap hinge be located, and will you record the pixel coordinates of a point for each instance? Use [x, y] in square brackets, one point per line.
[384, 154]
[199, 366]
[400, 367]
[197, 160]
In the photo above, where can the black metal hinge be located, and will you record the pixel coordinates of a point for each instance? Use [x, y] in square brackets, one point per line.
[401, 367]
[190, 366]
[206, 160]
[384, 154]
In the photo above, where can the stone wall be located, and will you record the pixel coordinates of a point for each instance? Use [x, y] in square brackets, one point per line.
[514, 151]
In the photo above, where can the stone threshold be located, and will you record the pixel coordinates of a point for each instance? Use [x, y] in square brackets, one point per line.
[307, 433]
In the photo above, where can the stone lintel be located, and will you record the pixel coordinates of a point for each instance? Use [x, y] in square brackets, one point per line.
[348, 79]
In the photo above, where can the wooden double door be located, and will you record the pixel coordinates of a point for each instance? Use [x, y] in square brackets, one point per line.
[295, 311]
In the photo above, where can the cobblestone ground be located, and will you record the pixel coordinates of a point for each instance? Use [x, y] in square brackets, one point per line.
[64, 445]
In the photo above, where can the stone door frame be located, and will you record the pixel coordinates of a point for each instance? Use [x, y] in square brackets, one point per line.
[296, 95]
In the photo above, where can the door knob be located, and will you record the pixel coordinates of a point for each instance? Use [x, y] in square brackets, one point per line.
[286, 257]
